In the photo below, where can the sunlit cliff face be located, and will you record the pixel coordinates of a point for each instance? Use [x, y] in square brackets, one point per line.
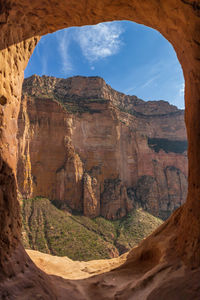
[177, 242]
[98, 151]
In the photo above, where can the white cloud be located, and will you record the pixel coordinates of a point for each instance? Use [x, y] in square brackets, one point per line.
[96, 42]
[182, 89]
[44, 65]
[149, 82]
[42, 58]
[64, 39]
[139, 87]
[179, 97]
[130, 89]
[99, 41]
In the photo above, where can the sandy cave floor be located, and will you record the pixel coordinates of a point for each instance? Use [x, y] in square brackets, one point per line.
[69, 269]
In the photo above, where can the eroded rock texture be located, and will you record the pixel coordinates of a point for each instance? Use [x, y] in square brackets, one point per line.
[153, 270]
[98, 151]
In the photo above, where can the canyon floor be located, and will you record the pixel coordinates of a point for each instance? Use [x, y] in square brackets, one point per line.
[53, 231]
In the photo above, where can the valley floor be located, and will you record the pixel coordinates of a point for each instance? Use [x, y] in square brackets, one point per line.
[57, 232]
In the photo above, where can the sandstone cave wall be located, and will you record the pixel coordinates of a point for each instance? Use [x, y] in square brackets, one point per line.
[178, 239]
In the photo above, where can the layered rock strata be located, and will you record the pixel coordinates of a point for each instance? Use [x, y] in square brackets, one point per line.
[97, 151]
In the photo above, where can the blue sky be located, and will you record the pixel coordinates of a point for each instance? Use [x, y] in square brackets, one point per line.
[132, 58]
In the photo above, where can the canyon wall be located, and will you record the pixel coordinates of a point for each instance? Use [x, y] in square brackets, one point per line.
[94, 150]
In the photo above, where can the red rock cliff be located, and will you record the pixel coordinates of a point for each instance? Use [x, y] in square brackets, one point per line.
[98, 151]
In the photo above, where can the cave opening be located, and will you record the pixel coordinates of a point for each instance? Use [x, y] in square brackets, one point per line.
[107, 179]
[173, 251]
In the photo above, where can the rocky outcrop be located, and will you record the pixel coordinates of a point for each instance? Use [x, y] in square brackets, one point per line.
[100, 152]
[115, 202]
[91, 196]
[68, 185]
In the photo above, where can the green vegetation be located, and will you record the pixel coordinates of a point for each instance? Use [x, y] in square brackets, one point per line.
[167, 145]
[80, 105]
[50, 230]
[74, 104]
